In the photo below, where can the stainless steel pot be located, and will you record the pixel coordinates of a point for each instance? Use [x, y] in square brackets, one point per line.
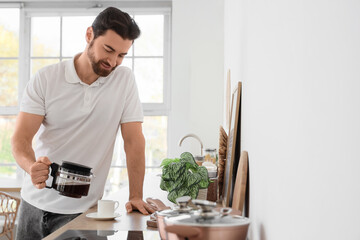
[181, 209]
[208, 224]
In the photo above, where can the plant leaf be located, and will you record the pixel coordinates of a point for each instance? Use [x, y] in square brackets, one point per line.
[193, 179]
[166, 185]
[167, 161]
[204, 177]
[163, 185]
[176, 193]
[193, 191]
[166, 174]
[188, 158]
[176, 170]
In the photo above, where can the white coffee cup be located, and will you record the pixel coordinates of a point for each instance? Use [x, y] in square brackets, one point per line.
[106, 208]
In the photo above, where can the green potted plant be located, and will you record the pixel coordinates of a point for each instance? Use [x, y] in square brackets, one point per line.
[183, 177]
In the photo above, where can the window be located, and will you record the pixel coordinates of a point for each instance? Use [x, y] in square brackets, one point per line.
[9, 82]
[49, 35]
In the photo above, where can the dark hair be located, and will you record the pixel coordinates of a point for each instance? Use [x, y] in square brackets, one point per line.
[120, 22]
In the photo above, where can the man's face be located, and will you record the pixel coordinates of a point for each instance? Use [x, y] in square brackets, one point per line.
[106, 52]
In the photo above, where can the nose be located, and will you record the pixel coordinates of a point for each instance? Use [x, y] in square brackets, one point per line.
[115, 61]
[112, 60]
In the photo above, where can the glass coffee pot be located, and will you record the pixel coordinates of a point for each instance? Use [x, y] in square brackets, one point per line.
[71, 179]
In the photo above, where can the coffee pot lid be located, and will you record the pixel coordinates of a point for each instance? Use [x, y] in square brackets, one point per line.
[76, 168]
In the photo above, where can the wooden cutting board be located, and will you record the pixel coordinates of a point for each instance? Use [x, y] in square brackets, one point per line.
[240, 183]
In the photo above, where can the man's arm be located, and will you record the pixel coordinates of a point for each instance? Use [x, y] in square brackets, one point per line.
[134, 145]
[26, 127]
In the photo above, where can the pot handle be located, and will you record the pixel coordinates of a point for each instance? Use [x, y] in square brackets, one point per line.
[184, 232]
[54, 168]
[225, 211]
[157, 204]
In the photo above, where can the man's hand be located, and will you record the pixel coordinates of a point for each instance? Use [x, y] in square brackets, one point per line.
[39, 172]
[140, 205]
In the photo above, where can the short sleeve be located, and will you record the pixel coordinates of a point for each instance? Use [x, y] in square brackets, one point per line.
[133, 111]
[33, 99]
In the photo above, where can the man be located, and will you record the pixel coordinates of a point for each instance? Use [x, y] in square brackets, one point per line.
[75, 109]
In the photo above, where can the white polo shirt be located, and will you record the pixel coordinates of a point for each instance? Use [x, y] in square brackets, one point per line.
[80, 125]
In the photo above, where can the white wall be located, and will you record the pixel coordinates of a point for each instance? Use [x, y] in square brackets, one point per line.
[197, 74]
[299, 62]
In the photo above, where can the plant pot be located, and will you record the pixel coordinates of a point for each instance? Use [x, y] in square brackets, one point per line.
[202, 195]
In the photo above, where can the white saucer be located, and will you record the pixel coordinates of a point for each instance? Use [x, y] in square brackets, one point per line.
[94, 215]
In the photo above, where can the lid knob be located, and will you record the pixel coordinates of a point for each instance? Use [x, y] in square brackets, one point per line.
[206, 208]
[205, 205]
[183, 203]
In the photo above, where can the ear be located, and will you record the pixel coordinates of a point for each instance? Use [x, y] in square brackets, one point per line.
[89, 34]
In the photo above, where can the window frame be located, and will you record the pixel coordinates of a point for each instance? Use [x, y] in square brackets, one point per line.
[36, 9]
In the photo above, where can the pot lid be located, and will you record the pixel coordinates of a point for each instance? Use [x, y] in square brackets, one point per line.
[170, 212]
[217, 221]
[181, 208]
[76, 168]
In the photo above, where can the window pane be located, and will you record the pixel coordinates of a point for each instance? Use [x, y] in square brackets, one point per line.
[6, 129]
[149, 78]
[151, 40]
[130, 51]
[118, 179]
[8, 172]
[37, 64]
[9, 82]
[9, 32]
[119, 154]
[45, 36]
[74, 31]
[127, 62]
[155, 132]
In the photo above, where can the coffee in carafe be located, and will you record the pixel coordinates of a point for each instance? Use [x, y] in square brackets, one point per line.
[72, 189]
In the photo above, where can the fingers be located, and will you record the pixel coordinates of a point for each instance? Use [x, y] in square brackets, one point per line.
[128, 207]
[40, 185]
[39, 178]
[150, 209]
[44, 160]
[142, 209]
[139, 205]
[39, 172]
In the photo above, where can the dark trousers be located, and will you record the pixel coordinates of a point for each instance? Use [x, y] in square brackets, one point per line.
[34, 223]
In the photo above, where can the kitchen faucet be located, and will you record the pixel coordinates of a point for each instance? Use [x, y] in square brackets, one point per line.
[194, 136]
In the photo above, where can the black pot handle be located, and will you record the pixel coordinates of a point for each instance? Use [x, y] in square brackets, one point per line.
[54, 168]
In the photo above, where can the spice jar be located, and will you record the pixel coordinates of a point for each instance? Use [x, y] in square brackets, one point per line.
[199, 160]
[211, 155]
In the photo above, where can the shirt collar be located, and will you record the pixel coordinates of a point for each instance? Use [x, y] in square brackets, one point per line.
[70, 72]
[71, 75]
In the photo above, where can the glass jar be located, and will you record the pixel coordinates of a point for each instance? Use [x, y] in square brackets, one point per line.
[199, 160]
[211, 155]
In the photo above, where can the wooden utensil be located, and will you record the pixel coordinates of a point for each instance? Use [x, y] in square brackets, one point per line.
[240, 183]
[222, 155]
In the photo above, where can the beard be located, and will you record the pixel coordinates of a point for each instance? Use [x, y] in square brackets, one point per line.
[97, 65]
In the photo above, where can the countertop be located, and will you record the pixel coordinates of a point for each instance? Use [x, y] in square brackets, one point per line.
[126, 221]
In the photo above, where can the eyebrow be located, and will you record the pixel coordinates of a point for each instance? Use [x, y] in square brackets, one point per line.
[112, 49]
